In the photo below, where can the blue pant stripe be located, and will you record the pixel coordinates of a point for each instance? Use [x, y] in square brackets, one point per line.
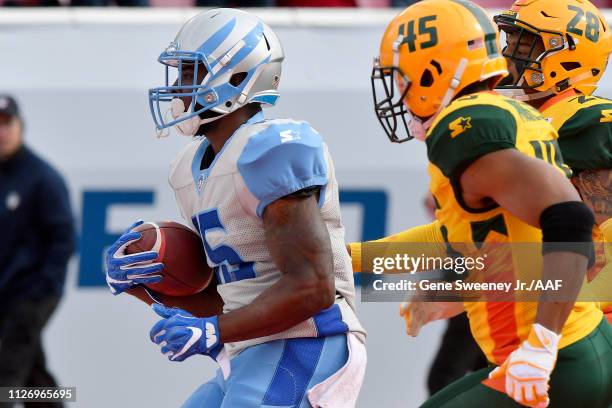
[329, 322]
[294, 371]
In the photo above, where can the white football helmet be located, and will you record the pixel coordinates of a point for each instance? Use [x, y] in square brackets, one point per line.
[242, 57]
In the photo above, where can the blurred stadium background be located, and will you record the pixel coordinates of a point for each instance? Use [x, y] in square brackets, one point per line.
[81, 76]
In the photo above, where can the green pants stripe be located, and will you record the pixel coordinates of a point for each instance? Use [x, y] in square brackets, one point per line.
[582, 379]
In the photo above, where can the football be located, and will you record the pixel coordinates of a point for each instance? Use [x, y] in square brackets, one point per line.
[180, 250]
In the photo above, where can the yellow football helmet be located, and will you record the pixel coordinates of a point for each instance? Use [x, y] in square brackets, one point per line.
[429, 53]
[576, 43]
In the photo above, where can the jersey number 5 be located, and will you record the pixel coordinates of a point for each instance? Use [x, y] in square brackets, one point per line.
[229, 266]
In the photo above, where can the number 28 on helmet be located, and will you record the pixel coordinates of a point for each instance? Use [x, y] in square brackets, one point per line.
[554, 45]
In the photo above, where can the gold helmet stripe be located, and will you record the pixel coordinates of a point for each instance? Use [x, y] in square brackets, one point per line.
[490, 37]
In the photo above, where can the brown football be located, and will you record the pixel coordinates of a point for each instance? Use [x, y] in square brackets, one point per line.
[180, 250]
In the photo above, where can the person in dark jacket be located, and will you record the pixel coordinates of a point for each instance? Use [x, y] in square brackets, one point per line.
[36, 242]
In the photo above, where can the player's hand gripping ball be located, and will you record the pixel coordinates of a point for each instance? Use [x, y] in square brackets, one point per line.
[125, 271]
[167, 257]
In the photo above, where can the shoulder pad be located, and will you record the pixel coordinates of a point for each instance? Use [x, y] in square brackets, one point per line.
[467, 133]
[284, 157]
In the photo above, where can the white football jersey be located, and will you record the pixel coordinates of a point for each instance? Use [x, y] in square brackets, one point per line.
[261, 162]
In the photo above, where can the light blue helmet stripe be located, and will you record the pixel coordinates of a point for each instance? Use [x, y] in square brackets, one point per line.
[251, 40]
[227, 91]
[217, 38]
[267, 99]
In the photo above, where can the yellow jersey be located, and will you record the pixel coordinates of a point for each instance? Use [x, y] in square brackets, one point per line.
[470, 127]
[584, 125]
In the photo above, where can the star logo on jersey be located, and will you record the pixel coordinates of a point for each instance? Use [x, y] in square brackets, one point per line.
[606, 116]
[289, 136]
[459, 125]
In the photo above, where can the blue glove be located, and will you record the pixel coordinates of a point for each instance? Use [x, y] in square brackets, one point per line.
[181, 335]
[123, 271]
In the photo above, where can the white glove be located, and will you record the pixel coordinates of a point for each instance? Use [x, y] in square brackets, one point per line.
[528, 368]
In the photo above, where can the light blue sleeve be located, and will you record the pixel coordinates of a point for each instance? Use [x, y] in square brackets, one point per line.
[282, 159]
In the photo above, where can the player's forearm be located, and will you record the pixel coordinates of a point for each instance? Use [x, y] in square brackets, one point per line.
[204, 304]
[555, 307]
[300, 247]
[288, 302]
[424, 239]
[555, 207]
[567, 247]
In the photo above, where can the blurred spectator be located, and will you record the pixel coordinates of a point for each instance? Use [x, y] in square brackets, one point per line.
[104, 3]
[30, 3]
[172, 3]
[235, 3]
[316, 3]
[36, 243]
[402, 3]
[76, 3]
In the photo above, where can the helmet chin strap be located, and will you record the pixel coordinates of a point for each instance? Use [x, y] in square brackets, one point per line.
[189, 126]
[451, 91]
[418, 128]
[521, 95]
[162, 133]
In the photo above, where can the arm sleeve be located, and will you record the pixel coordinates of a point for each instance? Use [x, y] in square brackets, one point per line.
[280, 160]
[468, 133]
[430, 236]
[56, 226]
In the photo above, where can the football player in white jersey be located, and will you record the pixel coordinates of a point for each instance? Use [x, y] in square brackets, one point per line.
[263, 196]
